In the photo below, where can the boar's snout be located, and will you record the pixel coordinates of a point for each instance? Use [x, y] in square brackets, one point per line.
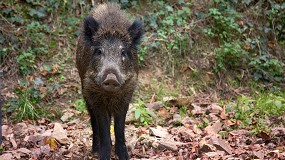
[111, 83]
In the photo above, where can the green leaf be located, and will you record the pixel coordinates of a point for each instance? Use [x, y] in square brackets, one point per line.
[52, 44]
[179, 12]
[150, 112]
[186, 9]
[137, 114]
[278, 104]
[141, 119]
[169, 8]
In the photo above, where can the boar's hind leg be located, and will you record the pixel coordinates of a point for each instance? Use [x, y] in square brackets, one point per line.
[103, 121]
[120, 146]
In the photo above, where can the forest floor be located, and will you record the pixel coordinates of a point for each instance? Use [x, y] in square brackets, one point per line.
[209, 133]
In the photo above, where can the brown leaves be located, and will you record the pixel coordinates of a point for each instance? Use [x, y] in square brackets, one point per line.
[204, 132]
[47, 70]
[48, 140]
[60, 134]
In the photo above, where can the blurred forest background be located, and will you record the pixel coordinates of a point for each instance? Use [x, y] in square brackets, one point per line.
[230, 53]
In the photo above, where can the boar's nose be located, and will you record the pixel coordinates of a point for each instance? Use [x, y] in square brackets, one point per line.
[111, 83]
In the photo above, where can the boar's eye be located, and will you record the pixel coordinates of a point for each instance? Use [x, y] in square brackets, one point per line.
[124, 52]
[98, 51]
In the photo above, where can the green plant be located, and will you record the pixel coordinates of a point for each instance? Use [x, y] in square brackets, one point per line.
[26, 108]
[80, 106]
[254, 113]
[143, 53]
[26, 61]
[143, 114]
[276, 18]
[224, 25]
[267, 66]
[230, 56]
[242, 45]
[183, 111]
[170, 24]
[27, 104]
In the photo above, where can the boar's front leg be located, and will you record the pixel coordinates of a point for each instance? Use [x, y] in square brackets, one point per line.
[103, 122]
[120, 146]
[95, 128]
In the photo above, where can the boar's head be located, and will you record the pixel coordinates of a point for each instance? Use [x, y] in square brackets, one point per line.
[112, 48]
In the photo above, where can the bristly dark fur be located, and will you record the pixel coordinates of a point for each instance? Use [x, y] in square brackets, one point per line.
[108, 45]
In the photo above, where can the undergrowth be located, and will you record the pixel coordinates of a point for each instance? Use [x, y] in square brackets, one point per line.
[258, 112]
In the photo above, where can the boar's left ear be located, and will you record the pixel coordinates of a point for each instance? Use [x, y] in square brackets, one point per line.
[91, 26]
[136, 31]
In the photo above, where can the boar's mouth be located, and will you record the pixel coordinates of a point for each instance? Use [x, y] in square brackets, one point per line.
[111, 83]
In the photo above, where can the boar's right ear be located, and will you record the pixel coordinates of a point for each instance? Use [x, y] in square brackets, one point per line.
[90, 27]
[136, 31]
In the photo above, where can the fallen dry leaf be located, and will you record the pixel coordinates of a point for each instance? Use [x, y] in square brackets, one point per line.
[66, 116]
[24, 150]
[53, 144]
[214, 129]
[159, 132]
[168, 145]
[230, 122]
[163, 112]
[6, 156]
[59, 134]
[152, 98]
[197, 109]
[221, 145]
[223, 114]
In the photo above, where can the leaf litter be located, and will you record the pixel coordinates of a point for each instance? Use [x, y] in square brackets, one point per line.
[71, 138]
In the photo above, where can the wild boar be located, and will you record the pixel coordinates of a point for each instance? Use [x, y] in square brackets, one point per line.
[107, 62]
